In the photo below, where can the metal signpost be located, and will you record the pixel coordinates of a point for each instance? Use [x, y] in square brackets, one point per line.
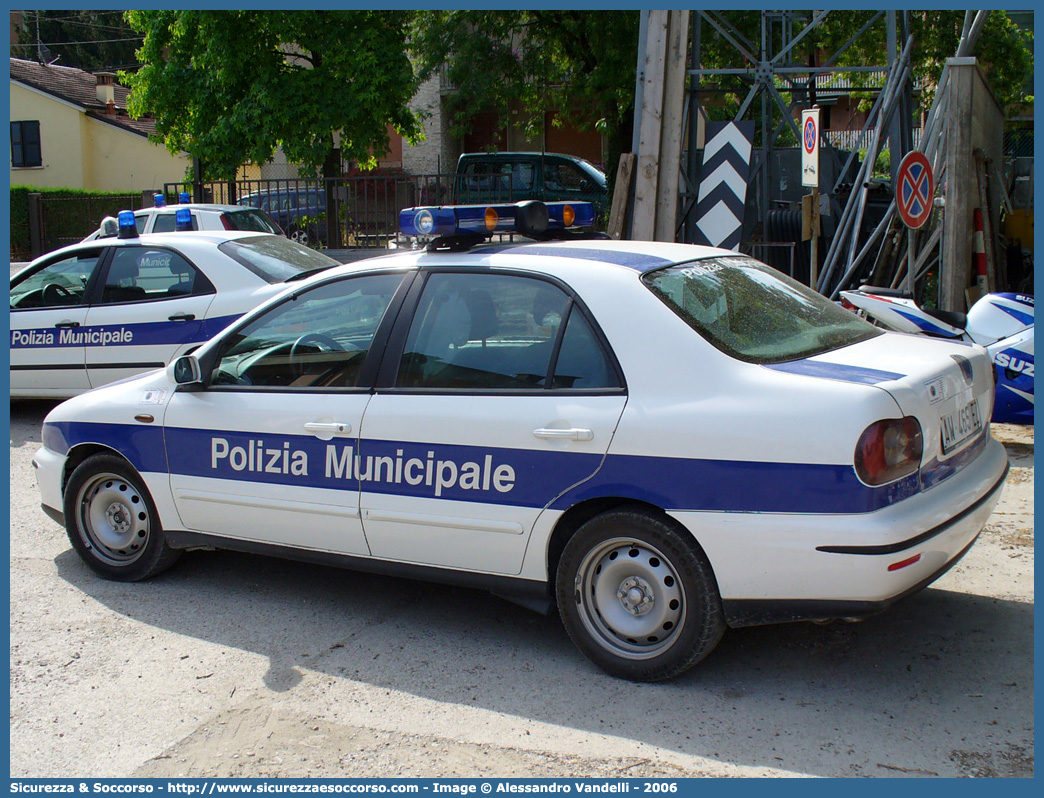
[810, 177]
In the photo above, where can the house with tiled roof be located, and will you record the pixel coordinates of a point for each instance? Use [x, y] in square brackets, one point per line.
[70, 129]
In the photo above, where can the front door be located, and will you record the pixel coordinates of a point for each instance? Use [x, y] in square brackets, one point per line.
[266, 452]
[48, 312]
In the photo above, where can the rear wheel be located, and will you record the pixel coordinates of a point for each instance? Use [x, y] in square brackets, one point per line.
[637, 596]
[112, 522]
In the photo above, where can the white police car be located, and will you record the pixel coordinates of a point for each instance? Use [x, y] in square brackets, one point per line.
[665, 440]
[99, 311]
[162, 218]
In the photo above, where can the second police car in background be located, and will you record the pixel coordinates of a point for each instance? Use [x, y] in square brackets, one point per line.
[162, 218]
[102, 310]
[663, 440]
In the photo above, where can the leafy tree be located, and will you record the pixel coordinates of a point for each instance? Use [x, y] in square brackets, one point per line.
[579, 65]
[229, 87]
[94, 41]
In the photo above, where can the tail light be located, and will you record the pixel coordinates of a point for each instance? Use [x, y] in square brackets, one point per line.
[848, 305]
[226, 222]
[889, 450]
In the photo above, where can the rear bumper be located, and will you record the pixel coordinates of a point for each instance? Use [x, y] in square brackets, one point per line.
[774, 568]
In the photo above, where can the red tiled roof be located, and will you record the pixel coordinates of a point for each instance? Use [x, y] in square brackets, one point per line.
[79, 88]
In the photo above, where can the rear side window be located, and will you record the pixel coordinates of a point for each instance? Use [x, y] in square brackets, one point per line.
[480, 332]
[754, 313]
[276, 259]
[251, 220]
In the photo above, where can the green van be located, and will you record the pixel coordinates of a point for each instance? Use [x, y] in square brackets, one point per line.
[513, 176]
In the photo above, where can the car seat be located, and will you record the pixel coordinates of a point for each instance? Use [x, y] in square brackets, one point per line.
[121, 284]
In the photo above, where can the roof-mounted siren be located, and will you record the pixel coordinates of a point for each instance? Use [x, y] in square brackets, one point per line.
[127, 227]
[109, 227]
[465, 225]
[160, 200]
[183, 219]
[183, 198]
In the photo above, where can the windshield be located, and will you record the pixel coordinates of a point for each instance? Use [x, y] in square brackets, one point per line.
[593, 171]
[753, 312]
[276, 259]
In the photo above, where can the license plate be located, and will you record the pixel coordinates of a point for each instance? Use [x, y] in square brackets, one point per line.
[961, 425]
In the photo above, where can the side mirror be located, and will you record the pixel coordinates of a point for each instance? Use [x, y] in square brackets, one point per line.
[185, 371]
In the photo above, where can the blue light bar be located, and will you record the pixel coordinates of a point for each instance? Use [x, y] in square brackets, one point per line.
[485, 220]
[159, 200]
[184, 198]
[183, 219]
[127, 227]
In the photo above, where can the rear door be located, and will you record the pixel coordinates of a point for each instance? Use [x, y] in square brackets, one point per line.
[498, 397]
[48, 313]
[152, 302]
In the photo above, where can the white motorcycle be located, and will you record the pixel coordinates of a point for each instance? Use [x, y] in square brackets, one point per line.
[1003, 323]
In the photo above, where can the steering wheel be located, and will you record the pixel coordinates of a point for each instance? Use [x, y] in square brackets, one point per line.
[318, 341]
[55, 294]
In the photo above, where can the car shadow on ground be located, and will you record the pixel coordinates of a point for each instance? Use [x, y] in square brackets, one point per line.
[906, 671]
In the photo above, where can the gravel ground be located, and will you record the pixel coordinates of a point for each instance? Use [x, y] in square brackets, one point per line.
[236, 665]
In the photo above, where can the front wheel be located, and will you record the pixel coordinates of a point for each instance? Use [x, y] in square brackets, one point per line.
[112, 522]
[638, 597]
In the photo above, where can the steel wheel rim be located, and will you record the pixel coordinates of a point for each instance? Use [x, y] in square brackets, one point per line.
[113, 519]
[630, 598]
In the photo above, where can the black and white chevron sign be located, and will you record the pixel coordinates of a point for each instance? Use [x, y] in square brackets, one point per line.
[723, 184]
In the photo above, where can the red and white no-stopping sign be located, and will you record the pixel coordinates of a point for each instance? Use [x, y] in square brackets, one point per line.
[915, 187]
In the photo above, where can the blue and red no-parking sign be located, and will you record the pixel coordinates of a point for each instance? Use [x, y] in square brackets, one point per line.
[915, 187]
[810, 135]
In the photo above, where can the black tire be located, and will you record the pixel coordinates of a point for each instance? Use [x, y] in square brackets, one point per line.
[637, 596]
[112, 521]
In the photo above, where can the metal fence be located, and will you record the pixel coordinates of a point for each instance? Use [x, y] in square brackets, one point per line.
[59, 221]
[364, 210]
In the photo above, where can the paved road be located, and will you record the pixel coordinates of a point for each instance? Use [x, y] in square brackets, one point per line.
[236, 665]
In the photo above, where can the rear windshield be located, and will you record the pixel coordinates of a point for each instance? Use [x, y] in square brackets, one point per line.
[276, 259]
[754, 313]
[254, 220]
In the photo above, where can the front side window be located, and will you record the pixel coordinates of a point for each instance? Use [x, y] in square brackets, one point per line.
[276, 259]
[478, 332]
[754, 313]
[316, 340]
[58, 284]
[25, 144]
[139, 274]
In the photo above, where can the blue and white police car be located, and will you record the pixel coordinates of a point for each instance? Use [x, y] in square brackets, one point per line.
[102, 310]
[663, 440]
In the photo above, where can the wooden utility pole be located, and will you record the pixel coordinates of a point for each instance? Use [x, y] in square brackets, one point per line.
[661, 123]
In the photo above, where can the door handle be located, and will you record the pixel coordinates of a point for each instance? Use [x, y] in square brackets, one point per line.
[181, 317]
[574, 434]
[325, 430]
[67, 325]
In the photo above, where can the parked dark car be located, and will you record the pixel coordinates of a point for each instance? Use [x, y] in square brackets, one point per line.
[513, 176]
[296, 210]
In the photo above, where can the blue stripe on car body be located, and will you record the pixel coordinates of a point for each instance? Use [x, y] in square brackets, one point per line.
[677, 484]
[150, 333]
[835, 371]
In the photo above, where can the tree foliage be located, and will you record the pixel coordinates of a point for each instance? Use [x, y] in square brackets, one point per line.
[229, 87]
[578, 65]
[94, 41]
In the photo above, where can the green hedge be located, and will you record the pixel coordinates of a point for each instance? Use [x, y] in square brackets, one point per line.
[66, 221]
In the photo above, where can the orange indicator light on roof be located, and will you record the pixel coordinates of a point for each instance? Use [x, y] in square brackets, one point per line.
[492, 217]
